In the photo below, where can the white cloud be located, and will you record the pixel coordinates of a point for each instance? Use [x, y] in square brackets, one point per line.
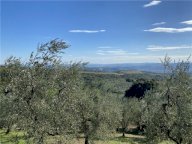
[152, 3]
[111, 52]
[115, 52]
[87, 31]
[161, 48]
[102, 30]
[105, 47]
[170, 30]
[100, 53]
[189, 22]
[159, 23]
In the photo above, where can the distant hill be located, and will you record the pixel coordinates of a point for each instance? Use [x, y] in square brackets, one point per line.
[137, 67]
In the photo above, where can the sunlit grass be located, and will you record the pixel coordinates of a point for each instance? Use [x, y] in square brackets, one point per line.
[18, 137]
[14, 137]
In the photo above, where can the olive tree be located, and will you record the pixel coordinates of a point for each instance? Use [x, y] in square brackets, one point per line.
[8, 72]
[168, 113]
[131, 113]
[42, 92]
[99, 114]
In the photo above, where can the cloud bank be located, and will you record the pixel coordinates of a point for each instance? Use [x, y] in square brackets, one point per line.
[110, 59]
[189, 22]
[152, 3]
[170, 30]
[162, 48]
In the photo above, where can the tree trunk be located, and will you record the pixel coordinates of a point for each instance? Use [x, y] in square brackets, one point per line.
[86, 140]
[8, 130]
[180, 140]
[123, 133]
[173, 139]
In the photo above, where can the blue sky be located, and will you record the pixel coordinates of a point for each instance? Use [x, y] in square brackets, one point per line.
[99, 31]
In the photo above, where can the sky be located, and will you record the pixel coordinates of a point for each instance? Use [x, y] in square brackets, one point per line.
[99, 32]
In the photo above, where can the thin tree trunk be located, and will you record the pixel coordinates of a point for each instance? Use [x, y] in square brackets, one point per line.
[86, 140]
[180, 140]
[8, 130]
[123, 133]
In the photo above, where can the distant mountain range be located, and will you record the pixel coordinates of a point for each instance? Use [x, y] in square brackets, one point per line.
[134, 67]
[145, 67]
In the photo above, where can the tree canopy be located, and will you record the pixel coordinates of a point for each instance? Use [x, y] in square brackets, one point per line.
[168, 112]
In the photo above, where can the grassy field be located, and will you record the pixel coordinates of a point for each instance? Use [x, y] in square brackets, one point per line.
[16, 137]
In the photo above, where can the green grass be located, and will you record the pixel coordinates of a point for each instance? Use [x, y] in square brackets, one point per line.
[14, 137]
[18, 137]
[128, 140]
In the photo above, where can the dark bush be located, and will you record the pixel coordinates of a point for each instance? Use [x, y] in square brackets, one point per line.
[139, 88]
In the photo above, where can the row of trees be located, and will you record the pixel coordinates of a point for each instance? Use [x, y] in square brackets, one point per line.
[43, 97]
[165, 111]
[168, 113]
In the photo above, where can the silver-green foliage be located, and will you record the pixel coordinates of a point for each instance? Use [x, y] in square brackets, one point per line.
[44, 97]
[168, 111]
[99, 114]
[131, 113]
[40, 94]
[9, 71]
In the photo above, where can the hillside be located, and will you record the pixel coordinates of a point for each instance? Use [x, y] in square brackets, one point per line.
[135, 67]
